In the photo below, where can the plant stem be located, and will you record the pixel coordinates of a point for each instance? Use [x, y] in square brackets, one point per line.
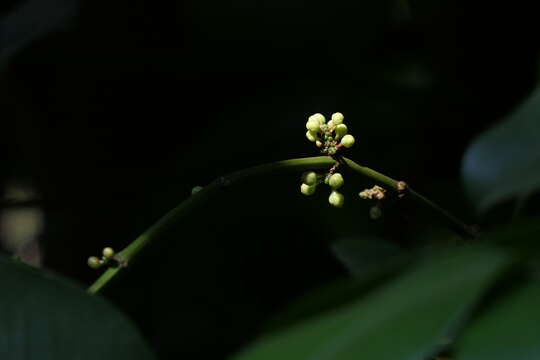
[127, 255]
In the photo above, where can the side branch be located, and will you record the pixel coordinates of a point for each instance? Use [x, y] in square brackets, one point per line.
[128, 254]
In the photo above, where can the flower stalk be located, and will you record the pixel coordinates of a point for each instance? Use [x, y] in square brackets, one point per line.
[129, 254]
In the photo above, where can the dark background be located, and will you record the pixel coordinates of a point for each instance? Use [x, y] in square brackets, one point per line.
[116, 117]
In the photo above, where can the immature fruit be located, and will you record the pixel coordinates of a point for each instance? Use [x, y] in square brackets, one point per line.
[94, 262]
[336, 181]
[347, 141]
[310, 178]
[337, 118]
[341, 130]
[108, 252]
[307, 189]
[336, 199]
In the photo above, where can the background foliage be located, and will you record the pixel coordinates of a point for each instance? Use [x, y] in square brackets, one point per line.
[113, 111]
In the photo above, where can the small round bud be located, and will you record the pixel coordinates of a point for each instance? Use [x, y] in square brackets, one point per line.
[196, 189]
[341, 130]
[94, 262]
[401, 186]
[108, 252]
[375, 212]
[336, 181]
[308, 189]
[318, 143]
[311, 135]
[336, 199]
[318, 117]
[347, 141]
[330, 124]
[310, 178]
[337, 118]
[313, 125]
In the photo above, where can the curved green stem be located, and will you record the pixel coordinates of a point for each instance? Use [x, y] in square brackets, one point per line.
[127, 255]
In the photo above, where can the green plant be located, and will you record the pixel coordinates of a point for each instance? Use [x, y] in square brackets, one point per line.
[332, 161]
[469, 295]
[425, 308]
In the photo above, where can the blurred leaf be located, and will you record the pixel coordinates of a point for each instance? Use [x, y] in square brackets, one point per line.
[520, 237]
[508, 330]
[407, 319]
[31, 20]
[504, 162]
[46, 317]
[339, 292]
[362, 254]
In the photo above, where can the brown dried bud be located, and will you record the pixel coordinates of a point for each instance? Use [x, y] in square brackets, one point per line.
[401, 186]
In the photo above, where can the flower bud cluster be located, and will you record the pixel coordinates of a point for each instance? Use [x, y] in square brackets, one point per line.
[94, 262]
[331, 136]
[310, 181]
[375, 192]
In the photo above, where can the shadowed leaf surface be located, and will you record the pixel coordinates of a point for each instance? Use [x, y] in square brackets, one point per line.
[46, 317]
[504, 162]
[407, 319]
[507, 331]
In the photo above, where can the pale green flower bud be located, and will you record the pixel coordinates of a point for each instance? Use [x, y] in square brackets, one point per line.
[94, 262]
[311, 135]
[108, 252]
[336, 199]
[336, 181]
[341, 130]
[313, 125]
[310, 178]
[347, 141]
[308, 189]
[337, 118]
[318, 117]
[330, 124]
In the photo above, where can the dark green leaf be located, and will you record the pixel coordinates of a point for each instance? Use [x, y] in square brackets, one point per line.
[407, 319]
[504, 162]
[509, 330]
[47, 317]
[520, 237]
[360, 255]
[339, 292]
